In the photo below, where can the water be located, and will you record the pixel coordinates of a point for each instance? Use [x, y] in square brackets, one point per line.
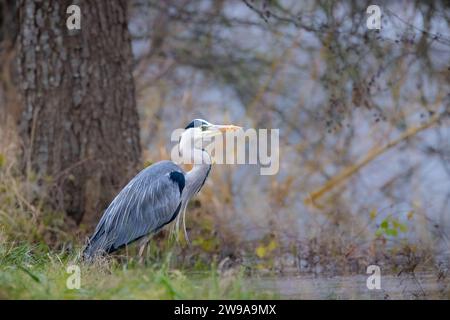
[407, 286]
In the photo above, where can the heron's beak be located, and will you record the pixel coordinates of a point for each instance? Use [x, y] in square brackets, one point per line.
[227, 128]
[217, 130]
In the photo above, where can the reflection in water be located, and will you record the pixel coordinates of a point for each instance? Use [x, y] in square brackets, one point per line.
[404, 286]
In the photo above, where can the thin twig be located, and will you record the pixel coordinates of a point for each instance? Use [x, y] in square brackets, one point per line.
[374, 153]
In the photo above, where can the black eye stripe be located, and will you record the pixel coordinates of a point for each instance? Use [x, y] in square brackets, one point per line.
[190, 125]
[196, 123]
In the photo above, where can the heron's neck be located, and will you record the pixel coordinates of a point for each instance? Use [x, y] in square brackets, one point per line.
[201, 160]
[194, 180]
[190, 154]
[196, 177]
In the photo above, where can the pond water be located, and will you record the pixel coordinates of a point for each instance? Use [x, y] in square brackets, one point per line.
[406, 286]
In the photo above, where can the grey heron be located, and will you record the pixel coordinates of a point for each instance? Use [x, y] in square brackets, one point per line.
[156, 195]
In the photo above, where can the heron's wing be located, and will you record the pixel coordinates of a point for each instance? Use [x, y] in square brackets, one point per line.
[149, 201]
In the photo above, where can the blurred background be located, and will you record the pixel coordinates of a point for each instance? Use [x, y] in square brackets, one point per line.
[363, 117]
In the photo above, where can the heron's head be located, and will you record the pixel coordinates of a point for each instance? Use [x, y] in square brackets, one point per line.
[198, 133]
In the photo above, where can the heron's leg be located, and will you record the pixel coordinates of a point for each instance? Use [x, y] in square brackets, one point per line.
[143, 244]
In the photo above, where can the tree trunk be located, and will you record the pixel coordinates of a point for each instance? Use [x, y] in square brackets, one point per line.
[8, 97]
[79, 122]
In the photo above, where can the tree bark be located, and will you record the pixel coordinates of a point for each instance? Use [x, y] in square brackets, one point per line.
[79, 123]
[8, 97]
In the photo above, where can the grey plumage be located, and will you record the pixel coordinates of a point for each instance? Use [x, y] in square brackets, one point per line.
[146, 204]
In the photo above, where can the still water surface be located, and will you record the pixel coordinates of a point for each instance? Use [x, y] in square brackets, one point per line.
[418, 286]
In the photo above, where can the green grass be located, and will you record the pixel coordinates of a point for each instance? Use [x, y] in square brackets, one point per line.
[33, 272]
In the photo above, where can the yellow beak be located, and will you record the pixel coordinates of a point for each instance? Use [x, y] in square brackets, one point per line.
[227, 128]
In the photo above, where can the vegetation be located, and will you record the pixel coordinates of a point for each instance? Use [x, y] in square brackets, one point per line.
[33, 272]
